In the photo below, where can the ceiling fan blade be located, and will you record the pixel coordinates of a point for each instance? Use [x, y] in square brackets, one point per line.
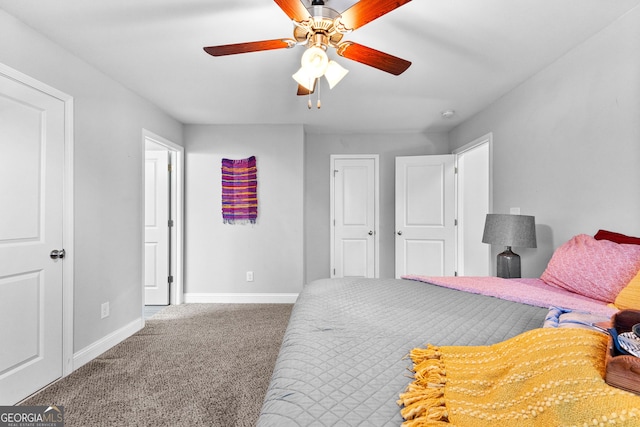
[373, 58]
[304, 91]
[366, 11]
[294, 9]
[232, 49]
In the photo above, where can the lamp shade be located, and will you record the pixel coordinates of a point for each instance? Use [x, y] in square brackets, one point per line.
[510, 230]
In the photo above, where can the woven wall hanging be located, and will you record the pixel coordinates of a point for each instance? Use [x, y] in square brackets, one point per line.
[239, 191]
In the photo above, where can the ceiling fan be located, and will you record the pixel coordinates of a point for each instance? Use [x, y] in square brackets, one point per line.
[319, 27]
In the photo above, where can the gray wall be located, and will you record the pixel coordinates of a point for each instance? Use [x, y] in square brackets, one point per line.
[218, 255]
[108, 122]
[318, 149]
[567, 142]
[293, 191]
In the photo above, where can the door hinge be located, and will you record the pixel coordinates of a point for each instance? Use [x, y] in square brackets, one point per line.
[170, 279]
[455, 170]
[170, 167]
[170, 223]
[455, 222]
[334, 271]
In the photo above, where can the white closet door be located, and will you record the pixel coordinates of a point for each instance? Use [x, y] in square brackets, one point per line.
[354, 217]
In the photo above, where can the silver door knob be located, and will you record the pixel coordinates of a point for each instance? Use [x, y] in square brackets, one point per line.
[370, 233]
[400, 233]
[57, 254]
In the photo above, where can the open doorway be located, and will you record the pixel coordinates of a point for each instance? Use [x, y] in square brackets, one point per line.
[163, 221]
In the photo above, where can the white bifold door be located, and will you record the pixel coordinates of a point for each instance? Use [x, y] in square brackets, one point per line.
[32, 135]
[425, 215]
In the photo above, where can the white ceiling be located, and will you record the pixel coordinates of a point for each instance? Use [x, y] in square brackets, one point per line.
[465, 55]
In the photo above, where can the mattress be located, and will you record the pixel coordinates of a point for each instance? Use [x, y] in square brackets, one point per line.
[343, 357]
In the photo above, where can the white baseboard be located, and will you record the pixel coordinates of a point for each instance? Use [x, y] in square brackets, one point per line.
[240, 298]
[94, 350]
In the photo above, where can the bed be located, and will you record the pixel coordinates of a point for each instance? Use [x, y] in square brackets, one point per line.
[343, 360]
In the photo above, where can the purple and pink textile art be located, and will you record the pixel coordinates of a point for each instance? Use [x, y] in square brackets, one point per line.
[239, 191]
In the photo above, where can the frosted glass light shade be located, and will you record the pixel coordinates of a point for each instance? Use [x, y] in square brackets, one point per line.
[315, 61]
[304, 79]
[335, 72]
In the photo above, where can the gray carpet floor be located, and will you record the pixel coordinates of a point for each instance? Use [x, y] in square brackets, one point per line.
[192, 365]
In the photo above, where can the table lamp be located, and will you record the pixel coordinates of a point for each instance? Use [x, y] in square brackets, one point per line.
[509, 230]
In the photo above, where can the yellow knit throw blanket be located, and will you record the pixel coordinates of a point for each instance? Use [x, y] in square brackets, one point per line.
[544, 377]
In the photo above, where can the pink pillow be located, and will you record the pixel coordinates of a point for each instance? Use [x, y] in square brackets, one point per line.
[597, 269]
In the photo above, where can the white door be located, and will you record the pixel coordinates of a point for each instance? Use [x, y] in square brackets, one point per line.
[354, 196]
[474, 203]
[32, 135]
[156, 214]
[425, 215]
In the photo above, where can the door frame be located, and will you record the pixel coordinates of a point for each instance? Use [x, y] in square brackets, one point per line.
[485, 139]
[176, 289]
[376, 240]
[67, 210]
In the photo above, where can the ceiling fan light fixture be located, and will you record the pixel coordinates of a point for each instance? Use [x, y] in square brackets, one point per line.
[315, 61]
[334, 74]
[319, 28]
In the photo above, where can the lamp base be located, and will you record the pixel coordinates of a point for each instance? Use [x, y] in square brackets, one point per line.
[508, 264]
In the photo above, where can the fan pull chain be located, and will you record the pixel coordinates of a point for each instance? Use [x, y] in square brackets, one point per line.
[319, 104]
[309, 102]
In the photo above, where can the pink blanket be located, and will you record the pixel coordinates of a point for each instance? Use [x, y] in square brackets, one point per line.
[527, 291]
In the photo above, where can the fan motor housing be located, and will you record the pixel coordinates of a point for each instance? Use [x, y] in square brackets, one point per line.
[323, 22]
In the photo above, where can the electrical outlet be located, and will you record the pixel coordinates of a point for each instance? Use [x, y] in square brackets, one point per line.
[249, 276]
[104, 310]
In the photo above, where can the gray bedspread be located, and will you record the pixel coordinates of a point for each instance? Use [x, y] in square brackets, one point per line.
[342, 360]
